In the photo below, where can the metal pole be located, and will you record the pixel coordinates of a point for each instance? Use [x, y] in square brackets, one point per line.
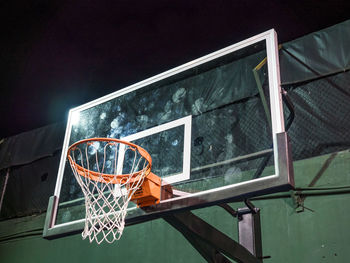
[4, 188]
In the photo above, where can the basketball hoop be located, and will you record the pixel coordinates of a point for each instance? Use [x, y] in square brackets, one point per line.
[111, 173]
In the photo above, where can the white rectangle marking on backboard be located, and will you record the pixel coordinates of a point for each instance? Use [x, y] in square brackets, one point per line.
[186, 166]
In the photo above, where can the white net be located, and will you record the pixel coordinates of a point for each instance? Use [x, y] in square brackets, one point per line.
[109, 172]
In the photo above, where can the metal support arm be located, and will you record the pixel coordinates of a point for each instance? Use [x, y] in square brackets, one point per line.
[212, 244]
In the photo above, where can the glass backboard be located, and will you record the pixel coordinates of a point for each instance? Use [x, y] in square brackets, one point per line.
[214, 128]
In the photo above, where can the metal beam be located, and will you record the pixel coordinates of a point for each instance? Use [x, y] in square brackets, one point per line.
[212, 244]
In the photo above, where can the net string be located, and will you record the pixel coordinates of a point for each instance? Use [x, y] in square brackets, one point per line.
[106, 203]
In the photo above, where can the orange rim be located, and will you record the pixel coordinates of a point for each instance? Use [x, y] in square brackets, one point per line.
[109, 178]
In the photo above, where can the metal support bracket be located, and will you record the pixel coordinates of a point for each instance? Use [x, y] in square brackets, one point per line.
[249, 231]
[212, 244]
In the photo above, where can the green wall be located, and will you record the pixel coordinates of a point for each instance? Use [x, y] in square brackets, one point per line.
[319, 232]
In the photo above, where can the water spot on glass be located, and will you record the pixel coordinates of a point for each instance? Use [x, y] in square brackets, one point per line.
[167, 107]
[229, 138]
[114, 123]
[90, 132]
[112, 134]
[178, 95]
[175, 142]
[94, 148]
[165, 116]
[96, 145]
[151, 106]
[198, 106]
[108, 164]
[127, 130]
[142, 118]
[211, 122]
[103, 115]
[143, 100]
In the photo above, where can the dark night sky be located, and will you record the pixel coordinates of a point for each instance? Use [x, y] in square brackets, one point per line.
[55, 55]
